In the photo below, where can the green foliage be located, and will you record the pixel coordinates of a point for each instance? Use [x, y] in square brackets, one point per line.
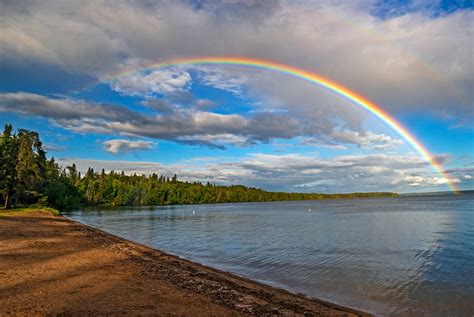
[28, 178]
[8, 159]
[117, 189]
[30, 167]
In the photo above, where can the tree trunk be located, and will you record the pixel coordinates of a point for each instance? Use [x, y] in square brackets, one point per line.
[7, 201]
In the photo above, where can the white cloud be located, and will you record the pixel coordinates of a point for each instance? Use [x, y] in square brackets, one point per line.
[411, 180]
[339, 139]
[224, 79]
[220, 140]
[119, 146]
[367, 140]
[294, 172]
[162, 81]
[316, 142]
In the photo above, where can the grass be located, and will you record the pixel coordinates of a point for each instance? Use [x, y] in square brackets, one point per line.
[5, 212]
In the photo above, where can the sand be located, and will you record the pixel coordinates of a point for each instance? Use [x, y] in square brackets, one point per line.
[50, 265]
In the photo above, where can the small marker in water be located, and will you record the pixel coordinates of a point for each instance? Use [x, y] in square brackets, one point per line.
[194, 212]
[309, 209]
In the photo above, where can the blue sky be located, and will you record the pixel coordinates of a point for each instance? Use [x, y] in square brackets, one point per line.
[237, 125]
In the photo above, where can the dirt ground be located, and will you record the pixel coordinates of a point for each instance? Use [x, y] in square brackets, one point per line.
[50, 265]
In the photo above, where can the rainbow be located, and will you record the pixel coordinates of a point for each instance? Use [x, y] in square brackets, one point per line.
[311, 77]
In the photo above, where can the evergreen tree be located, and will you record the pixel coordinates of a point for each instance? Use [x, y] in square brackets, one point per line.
[8, 158]
[30, 166]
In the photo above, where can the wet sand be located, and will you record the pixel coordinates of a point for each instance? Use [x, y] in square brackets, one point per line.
[50, 265]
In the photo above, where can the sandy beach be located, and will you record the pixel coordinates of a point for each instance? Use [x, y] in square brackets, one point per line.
[50, 265]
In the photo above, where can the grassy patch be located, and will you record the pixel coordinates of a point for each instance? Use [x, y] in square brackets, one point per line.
[5, 212]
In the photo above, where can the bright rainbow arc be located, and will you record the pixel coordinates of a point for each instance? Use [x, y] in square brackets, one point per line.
[310, 77]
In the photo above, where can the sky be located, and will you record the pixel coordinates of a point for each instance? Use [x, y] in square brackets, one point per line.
[77, 72]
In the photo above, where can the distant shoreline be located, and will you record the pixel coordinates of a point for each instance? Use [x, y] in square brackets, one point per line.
[61, 266]
[392, 195]
[440, 193]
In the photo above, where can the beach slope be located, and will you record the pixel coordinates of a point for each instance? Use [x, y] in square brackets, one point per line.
[50, 265]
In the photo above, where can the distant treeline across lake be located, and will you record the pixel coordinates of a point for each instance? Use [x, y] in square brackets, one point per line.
[28, 177]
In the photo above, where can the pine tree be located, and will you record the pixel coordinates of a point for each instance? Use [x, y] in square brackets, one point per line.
[30, 166]
[8, 157]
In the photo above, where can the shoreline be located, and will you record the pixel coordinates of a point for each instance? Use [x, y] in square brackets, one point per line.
[94, 272]
[94, 207]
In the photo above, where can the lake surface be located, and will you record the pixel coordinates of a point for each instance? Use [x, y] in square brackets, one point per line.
[406, 256]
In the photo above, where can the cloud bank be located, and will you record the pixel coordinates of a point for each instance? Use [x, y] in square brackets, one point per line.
[425, 54]
[189, 125]
[293, 172]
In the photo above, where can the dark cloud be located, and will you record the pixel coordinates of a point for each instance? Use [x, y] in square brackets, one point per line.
[64, 109]
[173, 123]
[427, 57]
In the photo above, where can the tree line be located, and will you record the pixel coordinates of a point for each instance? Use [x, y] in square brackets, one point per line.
[28, 177]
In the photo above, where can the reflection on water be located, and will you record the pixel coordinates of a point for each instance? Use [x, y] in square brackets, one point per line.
[391, 256]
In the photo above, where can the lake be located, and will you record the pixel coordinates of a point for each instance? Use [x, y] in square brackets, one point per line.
[411, 255]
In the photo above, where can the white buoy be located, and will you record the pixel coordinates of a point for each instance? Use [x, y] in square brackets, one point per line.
[194, 212]
[309, 209]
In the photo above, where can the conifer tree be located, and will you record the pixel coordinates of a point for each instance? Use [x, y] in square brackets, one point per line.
[8, 155]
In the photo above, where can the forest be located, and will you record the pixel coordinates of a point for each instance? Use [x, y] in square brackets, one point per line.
[29, 178]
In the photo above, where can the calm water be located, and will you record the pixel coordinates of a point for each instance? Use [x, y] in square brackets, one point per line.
[393, 256]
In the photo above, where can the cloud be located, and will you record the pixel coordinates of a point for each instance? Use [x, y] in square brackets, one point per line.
[426, 54]
[162, 81]
[316, 142]
[465, 173]
[129, 167]
[63, 109]
[185, 125]
[367, 140]
[217, 140]
[178, 100]
[294, 172]
[119, 146]
[175, 123]
[217, 77]
[426, 57]
[419, 180]
[339, 139]
[53, 148]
